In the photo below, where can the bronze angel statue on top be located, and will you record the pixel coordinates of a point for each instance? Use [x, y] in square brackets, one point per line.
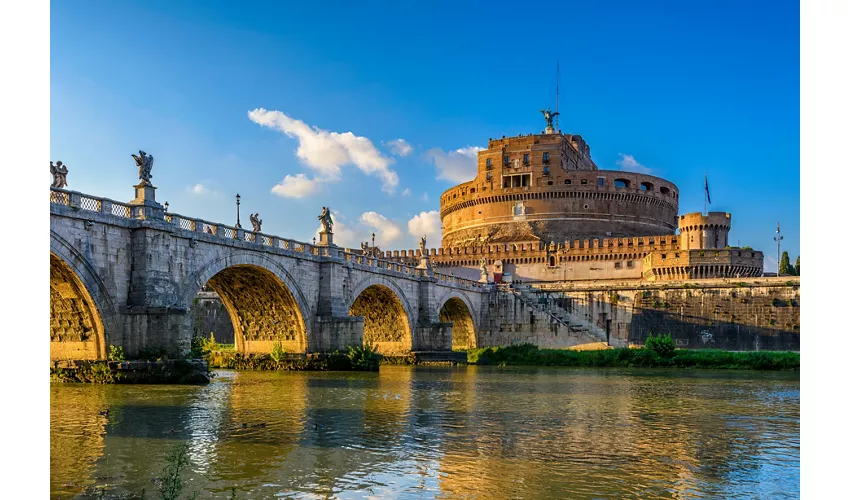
[548, 115]
[145, 164]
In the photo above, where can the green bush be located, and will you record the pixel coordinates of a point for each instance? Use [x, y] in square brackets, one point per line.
[364, 358]
[116, 353]
[663, 345]
[278, 352]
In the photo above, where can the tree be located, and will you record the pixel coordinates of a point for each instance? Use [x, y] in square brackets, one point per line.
[797, 266]
[785, 265]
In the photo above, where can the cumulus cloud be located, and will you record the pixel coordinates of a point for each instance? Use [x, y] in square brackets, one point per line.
[327, 152]
[427, 224]
[628, 162]
[296, 186]
[400, 147]
[201, 190]
[386, 231]
[459, 165]
[406, 192]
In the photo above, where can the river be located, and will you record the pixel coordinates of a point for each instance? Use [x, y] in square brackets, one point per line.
[438, 432]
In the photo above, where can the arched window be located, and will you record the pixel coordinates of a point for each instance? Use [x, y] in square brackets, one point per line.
[665, 190]
[622, 183]
[583, 182]
[646, 186]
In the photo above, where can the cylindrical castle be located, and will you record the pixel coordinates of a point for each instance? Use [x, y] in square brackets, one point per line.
[546, 187]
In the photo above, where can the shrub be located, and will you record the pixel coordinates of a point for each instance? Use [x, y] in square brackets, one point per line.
[776, 302]
[116, 353]
[278, 352]
[663, 345]
[171, 484]
[364, 358]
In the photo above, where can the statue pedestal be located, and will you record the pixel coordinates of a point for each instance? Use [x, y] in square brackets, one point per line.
[326, 239]
[483, 278]
[144, 206]
[550, 130]
[425, 265]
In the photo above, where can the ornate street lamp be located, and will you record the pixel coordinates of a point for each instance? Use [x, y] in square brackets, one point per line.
[238, 225]
[166, 206]
[778, 239]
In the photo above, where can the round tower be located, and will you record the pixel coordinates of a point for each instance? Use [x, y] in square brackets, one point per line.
[698, 231]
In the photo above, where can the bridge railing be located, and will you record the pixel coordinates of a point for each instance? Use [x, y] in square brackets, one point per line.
[113, 208]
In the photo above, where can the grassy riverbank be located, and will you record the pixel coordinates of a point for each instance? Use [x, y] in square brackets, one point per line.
[680, 358]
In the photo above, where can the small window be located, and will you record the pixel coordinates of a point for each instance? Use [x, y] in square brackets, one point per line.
[630, 264]
[568, 182]
[525, 158]
[621, 183]
[506, 160]
[546, 157]
[646, 186]
[665, 190]
[663, 255]
[584, 182]
[489, 162]
[618, 265]
[472, 190]
[677, 255]
[601, 181]
[549, 183]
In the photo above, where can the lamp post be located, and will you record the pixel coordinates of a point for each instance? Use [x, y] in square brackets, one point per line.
[373, 241]
[238, 225]
[165, 206]
[778, 239]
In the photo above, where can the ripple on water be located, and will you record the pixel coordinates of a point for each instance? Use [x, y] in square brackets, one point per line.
[473, 432]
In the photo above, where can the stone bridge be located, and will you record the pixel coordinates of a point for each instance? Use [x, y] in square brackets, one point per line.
[127, 274]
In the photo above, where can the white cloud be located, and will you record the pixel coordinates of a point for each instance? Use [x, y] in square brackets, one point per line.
[201, 190]
[628, 162]
[459, 165]
[327, 152]
[400, 147]
[406, 192]
[427, 224]
[386, 230]
[296, 186]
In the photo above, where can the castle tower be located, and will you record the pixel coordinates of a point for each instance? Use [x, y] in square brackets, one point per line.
[698, 231]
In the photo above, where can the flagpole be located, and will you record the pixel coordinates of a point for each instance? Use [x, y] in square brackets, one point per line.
[705, 194]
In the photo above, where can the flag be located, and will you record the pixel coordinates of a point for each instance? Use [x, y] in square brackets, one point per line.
[707, 194]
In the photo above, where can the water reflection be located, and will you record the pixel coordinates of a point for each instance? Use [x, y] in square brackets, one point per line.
[477, 432]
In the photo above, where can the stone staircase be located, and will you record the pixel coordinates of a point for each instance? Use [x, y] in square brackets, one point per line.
[578, 324]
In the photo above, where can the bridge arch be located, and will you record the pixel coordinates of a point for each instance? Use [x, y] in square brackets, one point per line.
[455, 307]
[387, 315]
[264, 302]
[82, 316]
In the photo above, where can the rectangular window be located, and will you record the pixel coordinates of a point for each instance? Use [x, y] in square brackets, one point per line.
[583, 182]
[663, 255]
[489, 162]
[677, 256]
[567, 181]
[506, 160]
[618, 265]
[601, 181]
[630, 264]
[546, 157]
[525, 158]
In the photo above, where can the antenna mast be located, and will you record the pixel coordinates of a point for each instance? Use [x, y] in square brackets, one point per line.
[557, 114]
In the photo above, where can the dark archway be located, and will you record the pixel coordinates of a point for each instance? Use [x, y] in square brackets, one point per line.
[76, 326]
[386, 325]
[262, 309]
[463, 329]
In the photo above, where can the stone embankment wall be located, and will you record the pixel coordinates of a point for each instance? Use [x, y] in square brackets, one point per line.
[512, 321]
[745, 314]
[210, 316]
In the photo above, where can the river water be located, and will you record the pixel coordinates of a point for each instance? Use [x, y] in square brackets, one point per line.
[438, 432]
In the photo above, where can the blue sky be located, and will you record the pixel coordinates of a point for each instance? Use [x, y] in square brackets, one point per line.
[681, 87]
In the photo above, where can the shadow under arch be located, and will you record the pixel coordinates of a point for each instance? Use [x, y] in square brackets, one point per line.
[457, 309]
[84, 307]
[263, 301]
[386, 318]
[76, 326]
